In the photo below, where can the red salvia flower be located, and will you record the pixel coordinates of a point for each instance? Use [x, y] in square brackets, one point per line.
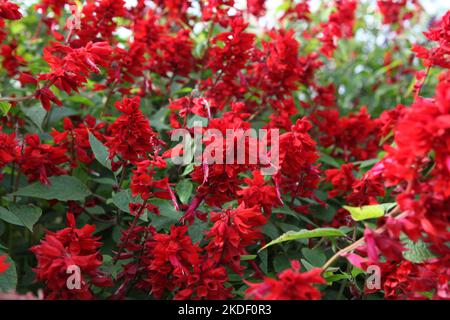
[40, 161]
[65, 248]
[259, 193]
[438, 55]
[208, 282]
[232, 232]
[291, 284]
[298, 175]
[9, 148]
[131, 137]
[11, 60]
[3, 265]
[9, 10]
[170, 260]
[75, 139]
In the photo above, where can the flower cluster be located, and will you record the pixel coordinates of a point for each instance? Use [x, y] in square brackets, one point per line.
[60, 250]
[3, 265]
[290, 285]
[344, 102]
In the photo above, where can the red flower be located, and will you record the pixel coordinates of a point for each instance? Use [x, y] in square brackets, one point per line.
[290, 285]
[342, 179]
[143, 183]
[206, 283]
[71, 67]
[45, 95]
[297, 175]
[9, 149]
[3, 265]
[438, 55]
[11, 60]
[340, 25]
[219, 182]
[97, 23]
[256, 7]
[175, 55]
[259, 193]
[9, 11]
[40, 161]
[131, 136]
[232, 232]
[383, 243]
[357, 135]
[170, 260]
[65, 248]
[235, 52]
[396, 11]
[75, 139]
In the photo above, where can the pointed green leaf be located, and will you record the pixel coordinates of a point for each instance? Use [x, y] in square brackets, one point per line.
[122, 200]
[101, 153]
[302, 234]
[365, 212]
[63, 188]
[184, 190]
[21, 215]
[4, 108]
[246, 257]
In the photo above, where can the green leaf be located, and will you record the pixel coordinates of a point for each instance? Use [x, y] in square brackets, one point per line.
[184, 190]
[188, 169]
[168, 215]
[314, 256]
[81, 100]
[36, 114]
[246, 257]
[327, 159]
[287, 211]
[302, 234]
[21, 215]
[336, 277]
[122, 199]
[280, 263]
[62, 188]
[157, 120]
[418, 251]
[308, 266]
[101, 153]
[4, 108]
[388, 206]
[60, 113]
[365, 212]
[8, 279]
[197, 230]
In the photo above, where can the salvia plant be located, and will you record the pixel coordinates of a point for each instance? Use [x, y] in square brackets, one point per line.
[347, 102]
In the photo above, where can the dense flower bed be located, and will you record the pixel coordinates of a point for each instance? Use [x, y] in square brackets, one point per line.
[355, 96]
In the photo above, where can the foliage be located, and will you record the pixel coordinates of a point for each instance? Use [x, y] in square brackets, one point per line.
[92, 91]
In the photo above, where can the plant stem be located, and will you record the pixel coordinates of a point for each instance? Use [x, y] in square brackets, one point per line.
[130, 230]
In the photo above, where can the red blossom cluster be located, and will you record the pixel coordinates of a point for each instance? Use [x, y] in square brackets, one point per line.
[219, 228]
[60, 250]
[290, 285]
[3, 265]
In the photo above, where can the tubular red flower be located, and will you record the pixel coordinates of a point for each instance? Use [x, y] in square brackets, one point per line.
[291, 284]
[131, 136]
[66, 248]
[3, 265]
